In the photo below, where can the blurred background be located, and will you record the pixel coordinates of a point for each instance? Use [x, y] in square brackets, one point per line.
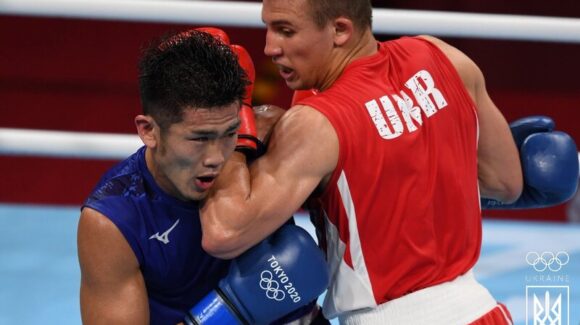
[81, 75]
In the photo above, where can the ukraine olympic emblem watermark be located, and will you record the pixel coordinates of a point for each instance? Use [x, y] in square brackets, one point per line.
[548, 298]
[549, 305]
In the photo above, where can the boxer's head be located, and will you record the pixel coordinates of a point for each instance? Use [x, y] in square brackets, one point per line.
[190, 69]
[312, 40]
[191, 90]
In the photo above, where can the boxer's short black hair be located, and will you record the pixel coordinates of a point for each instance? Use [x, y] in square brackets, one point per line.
[190, 69]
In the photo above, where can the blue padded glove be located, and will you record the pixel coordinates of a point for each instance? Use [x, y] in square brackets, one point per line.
[282, 273]
[549, 165]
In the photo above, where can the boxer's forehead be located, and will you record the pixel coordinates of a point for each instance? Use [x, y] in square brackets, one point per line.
[278, 12]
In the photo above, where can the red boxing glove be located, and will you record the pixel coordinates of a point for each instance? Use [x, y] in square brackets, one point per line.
[302, 94]
[248, 142]
[217, 33]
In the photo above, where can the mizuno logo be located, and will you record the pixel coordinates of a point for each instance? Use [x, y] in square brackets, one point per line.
[164, 237]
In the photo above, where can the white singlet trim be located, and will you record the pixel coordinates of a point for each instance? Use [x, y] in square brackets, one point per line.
[459, 302]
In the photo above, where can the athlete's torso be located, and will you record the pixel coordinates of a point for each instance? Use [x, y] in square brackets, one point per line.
[165, 235]
[402, 205]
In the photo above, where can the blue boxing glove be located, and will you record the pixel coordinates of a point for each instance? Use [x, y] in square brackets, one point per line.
[282, 273]
[549, 165]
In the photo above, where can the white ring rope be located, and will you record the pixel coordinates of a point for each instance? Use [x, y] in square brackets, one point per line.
[23, 142]
[65, 144]
[247, 14]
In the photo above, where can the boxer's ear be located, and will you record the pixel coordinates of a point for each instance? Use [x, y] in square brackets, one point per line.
[148, 130]
[343, 30]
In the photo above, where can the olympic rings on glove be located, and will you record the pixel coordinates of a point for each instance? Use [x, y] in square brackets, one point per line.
[271, 286]
[547, 260]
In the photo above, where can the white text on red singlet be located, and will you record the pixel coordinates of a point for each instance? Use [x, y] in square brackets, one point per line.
[429, 99]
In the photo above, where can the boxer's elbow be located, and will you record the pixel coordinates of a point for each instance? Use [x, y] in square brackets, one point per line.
[222, 243]
[509, 192]
[515, 189]
[505, 189]
[224, 228]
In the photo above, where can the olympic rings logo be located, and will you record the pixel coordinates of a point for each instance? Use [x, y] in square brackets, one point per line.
[271, 286]
[547, 260]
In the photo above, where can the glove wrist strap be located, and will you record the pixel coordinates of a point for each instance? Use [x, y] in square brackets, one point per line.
[251, 153]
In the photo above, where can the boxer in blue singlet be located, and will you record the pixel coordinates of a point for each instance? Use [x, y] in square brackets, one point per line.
[139, 237]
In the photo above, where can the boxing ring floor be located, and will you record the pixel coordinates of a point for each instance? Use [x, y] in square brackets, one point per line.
[39, 273]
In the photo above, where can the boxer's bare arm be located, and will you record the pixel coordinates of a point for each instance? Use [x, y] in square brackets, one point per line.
[247, 205]
[499, 168]
[112, 286]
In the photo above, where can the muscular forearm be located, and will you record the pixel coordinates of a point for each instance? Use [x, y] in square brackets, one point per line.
[231, 221]
[247, 205]
[493, 187]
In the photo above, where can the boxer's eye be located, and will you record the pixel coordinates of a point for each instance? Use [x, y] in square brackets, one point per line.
[287, 32]
[199, 139]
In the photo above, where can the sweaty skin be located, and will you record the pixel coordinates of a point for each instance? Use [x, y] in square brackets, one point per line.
[249, 203]
[112, 286]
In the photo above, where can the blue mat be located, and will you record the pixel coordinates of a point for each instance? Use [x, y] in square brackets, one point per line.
[39, 273]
